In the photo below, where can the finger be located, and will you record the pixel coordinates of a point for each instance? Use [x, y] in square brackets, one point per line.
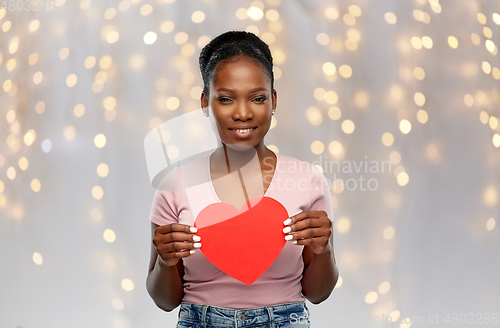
[304, 223]
[177, 246]
[302, 215]
[181, 236]
[316, 241]
[309, 233]
[178, 227]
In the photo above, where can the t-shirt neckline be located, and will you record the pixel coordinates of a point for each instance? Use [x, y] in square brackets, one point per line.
[266, 194]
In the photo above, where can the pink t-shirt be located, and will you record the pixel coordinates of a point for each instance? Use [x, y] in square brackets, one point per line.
[298, 185]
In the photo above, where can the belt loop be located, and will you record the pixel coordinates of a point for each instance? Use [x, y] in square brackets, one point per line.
[203, 315]
[271, 315]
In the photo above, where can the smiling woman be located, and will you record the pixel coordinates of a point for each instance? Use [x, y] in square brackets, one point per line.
[239, 98]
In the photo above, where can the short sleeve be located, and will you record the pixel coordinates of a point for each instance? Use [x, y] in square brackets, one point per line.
[164, 209]
[319, 194]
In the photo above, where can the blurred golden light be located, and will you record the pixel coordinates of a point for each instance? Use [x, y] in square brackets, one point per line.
[241, 14]
[36, 185]
[127, 284]
[332, 13]
[109, 235]
[371, 297]
[481, 18]
[187, 50]
[272, 15]
[427, 42]
[331, 97]
[349, 19]
[102, 170]
[419, 73]
[395, 315]
[150, 38]
[323, 39]
[362, 99]
[490, 46]
[173, 152]
[110, 13]
[97, 192]
[167, 26]
[23, 163]
[343, 225]
[137, 62]
[198, 16]
[173, 103]
[416, 42]
[90, 62]
[13, 45]
[146, 9]
[496, 140]
[354, 10]
[317, 147]
[422, 116]
[405, 126]
[11, 173]
[384, 287]
[118, 304]
[109, 103]
[268, 38]
[335, 148]
[493, 122]
[314, 116]
[394, 157]
[345, 71]
[490, 196]
[329, 68]
[334, 113]
[389, 233]
[100, 140]
[484, 117]
[37, 258]
[6, 26]
[468, 100]
[419, 99]
[29, 137]
[40, 107]
[390, 18]
[33, 59]
[71, 80]
[403, 178]
[112, 37]
[348, 126]
[486, 67]
[105, 62]
[387, 139]
[37, 78]
[490, 224]
[496, 18]
[453, 42]
[64, 53]
[319, 94]
[255, 13]
[487, 32]
[353, 34]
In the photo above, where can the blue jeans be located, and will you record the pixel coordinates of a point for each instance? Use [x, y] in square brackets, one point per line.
[287, 315]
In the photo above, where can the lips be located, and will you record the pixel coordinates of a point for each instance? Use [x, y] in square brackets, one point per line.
[242, 135]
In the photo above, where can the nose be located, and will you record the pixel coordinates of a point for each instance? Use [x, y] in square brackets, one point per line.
[242, 112]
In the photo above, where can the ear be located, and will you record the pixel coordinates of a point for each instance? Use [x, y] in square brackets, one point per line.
[204, 104]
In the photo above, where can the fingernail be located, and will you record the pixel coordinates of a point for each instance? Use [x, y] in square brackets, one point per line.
[197, 245]
[192, 251]
[288, 237]
[193, 229]
[196, 238]
[294, 241]
[287, 229]
[287, 221]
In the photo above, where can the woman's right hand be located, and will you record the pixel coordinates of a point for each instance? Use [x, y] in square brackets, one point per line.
[174, 241]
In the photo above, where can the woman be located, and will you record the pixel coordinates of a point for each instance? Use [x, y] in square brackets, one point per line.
[238, 80]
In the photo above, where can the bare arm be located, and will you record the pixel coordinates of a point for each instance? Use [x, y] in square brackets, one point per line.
[164, 283]
[320, 274]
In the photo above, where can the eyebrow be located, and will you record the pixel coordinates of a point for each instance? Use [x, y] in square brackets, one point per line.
[251, 91]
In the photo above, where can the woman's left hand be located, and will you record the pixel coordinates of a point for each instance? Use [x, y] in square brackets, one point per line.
[312, 228]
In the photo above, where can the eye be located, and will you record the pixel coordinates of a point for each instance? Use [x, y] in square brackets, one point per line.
[261, 98]
[222, 98]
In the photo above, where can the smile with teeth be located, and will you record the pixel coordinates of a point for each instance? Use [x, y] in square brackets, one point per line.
[243, 130]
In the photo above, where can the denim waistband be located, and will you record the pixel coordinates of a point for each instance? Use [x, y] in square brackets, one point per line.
[208, 314]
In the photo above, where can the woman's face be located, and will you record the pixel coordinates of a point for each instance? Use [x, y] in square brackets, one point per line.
[241, 97]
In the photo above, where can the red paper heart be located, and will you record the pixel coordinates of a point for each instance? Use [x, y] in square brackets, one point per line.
[243, 244]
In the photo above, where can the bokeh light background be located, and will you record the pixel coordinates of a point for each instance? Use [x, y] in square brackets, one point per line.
[412, 82]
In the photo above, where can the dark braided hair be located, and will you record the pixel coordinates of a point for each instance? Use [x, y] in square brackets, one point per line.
[229, 44]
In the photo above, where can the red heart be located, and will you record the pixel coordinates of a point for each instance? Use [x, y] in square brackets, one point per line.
[243, 244]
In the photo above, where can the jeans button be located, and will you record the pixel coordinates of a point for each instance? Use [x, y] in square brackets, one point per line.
[242, 317]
